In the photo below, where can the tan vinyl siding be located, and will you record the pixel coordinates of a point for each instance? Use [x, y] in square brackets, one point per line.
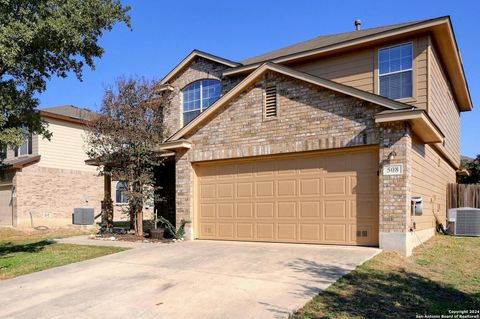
[359, 69]
[354, 69]
[66, 149]
[443, 109]
[430, 175]
[421, 72]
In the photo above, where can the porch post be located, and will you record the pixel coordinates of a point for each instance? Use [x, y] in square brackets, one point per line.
[107, 203]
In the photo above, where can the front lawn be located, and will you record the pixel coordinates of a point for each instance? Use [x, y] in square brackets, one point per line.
[24, 252]
[444, 275]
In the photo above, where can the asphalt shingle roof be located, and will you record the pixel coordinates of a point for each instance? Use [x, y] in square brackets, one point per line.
[323, 41]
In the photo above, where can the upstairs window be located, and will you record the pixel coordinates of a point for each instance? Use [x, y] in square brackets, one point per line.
[197, 97]
[25, 148]
[395, 71]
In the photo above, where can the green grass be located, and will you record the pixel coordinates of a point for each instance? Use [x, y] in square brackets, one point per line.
[444, 275]
[24, 252]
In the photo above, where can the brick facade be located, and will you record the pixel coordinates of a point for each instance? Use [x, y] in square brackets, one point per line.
[48, 195]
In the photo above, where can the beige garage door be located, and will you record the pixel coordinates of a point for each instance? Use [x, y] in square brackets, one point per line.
[327, 198]
[5, 206]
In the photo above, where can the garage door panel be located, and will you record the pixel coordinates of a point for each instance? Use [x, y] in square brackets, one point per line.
[207, 230]
[245, 210]
[310, 209]
[330, 199]
[335, 209]
[287, 209]
[265, 231]
[287, 232]
[335, 233]
[309, 232]
[265, 210]
[334, 186]
[225, 230]
[208, 210]
[286, 187]
[225, 210]
[264, 188]
[225, 190]
[245, 231]
[309, 187]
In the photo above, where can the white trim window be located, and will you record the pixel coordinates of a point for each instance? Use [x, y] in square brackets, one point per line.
[197, 97]
[25, 148]
[395, 71]
[121, 193]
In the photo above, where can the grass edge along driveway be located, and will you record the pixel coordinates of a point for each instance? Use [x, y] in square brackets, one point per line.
[27, 251]
[442, 275]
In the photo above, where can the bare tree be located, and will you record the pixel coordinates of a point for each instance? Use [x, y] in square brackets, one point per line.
[124, 137]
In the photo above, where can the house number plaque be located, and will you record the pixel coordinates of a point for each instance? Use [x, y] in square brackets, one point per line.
[393, 169]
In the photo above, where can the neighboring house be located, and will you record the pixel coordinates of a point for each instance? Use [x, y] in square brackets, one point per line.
[325, 141]
[44, 180]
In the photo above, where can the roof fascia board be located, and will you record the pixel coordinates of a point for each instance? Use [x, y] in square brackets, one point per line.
[63, 118]
[376, 99]
[190, 57]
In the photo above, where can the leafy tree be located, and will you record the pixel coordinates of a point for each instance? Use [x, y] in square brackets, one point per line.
[40, 39]
[473, 167]
[124, 136]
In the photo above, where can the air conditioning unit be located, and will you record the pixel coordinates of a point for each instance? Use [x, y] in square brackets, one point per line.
[83, 216]
[465, 221]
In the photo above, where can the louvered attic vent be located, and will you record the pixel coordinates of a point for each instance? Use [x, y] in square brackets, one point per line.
[271, 101]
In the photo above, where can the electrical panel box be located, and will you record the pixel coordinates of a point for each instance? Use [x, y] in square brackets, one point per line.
[83, 216]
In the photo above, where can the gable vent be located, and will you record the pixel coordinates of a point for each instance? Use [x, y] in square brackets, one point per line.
[271, 101]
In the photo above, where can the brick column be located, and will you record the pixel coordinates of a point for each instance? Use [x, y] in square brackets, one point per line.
[395, 190]
[184, 191]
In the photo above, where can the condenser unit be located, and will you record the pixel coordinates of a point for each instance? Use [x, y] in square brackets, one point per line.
[465, 221]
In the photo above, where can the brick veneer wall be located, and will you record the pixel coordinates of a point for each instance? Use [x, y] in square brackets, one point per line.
[50, 195]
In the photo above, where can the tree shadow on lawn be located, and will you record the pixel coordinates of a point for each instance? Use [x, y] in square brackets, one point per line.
[370, 293]
[9, 247]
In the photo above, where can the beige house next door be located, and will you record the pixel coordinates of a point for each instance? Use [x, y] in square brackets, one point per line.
[324, 198]
[6, 211]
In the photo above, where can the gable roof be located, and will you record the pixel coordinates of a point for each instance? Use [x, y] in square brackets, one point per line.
[323, 41]
[334, 86]
[68, 113]
[196, 53]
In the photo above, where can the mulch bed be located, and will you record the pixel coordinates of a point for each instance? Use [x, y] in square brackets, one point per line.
[130, 238]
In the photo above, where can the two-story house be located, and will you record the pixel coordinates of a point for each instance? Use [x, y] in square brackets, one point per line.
[326, 141]
[44, 180]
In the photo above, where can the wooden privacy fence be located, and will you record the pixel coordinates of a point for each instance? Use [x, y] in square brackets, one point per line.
[463, 195]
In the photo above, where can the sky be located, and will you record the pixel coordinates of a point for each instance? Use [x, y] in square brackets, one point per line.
[164, 32]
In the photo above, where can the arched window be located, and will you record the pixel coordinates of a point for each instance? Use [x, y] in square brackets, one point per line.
[121, 193]
[197, 97]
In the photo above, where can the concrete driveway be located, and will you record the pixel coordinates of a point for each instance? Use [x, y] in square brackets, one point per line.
[195, 279]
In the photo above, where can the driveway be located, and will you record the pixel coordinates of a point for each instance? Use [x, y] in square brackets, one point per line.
[195, 279]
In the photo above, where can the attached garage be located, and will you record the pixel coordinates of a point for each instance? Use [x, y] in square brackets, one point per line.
[6, 209]
[320, 197]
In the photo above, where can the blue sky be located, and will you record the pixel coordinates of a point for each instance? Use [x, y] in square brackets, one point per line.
[164, 32]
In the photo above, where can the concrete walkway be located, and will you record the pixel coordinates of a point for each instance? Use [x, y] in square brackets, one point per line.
[195, 279]
[86, 240]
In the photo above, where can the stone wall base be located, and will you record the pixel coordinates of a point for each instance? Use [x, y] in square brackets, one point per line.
[404, 243]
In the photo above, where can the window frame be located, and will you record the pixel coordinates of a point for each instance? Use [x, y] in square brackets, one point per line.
[202, 108]
[411, 98]
[29, 142]
[117, 191]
